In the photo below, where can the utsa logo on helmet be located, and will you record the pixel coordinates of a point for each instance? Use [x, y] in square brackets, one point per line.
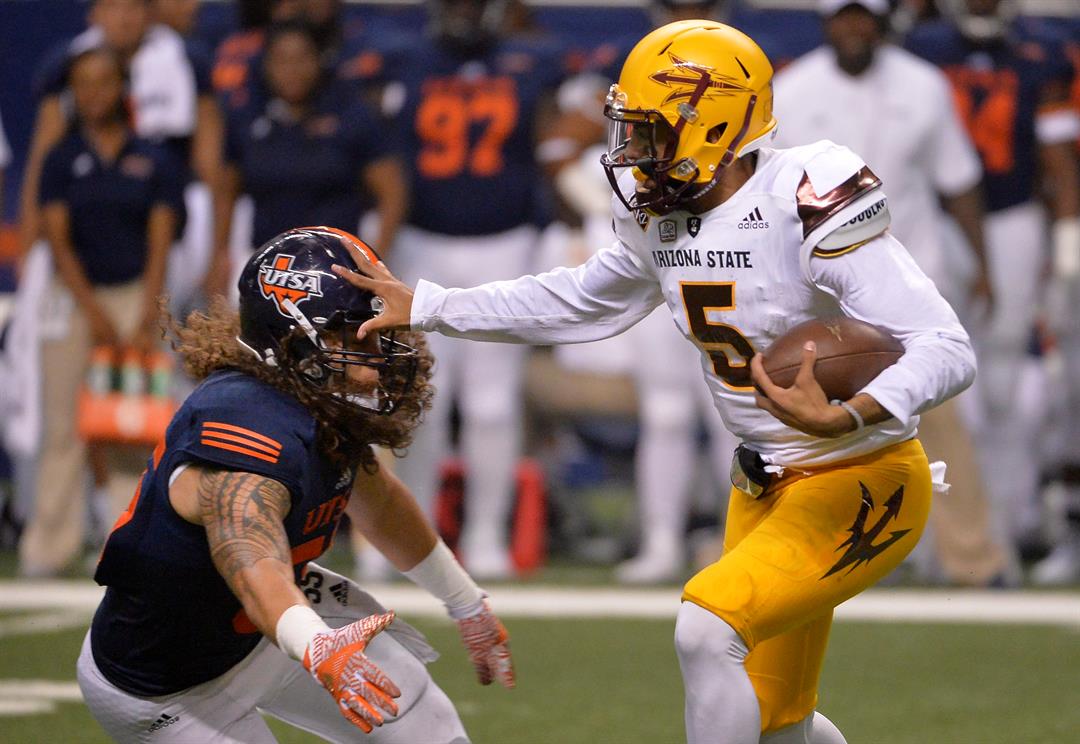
[279, 282]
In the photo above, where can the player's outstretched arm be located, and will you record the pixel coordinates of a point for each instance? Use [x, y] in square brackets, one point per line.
[243, 514]
[387, 514]
[601, 298]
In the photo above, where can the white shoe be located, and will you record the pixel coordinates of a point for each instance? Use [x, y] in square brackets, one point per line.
[1061, 567]
[650, 567]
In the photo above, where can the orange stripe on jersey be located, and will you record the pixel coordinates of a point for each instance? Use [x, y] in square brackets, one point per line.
[242, 450]
[223, 437]
[241, 430]
[309, 550]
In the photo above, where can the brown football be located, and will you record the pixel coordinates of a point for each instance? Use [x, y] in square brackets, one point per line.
[850, 353]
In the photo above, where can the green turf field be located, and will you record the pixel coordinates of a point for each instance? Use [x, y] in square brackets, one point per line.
[601, 681]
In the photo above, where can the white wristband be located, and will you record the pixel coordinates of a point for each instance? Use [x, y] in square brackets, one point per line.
[295, 629]
[443, 577]
[859, 423]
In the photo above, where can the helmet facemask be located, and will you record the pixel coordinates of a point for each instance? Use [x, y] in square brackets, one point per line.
[324, 349]
[644, 140]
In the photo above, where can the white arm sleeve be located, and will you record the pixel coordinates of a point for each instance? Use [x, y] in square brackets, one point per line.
[879, 283]
[603, 297]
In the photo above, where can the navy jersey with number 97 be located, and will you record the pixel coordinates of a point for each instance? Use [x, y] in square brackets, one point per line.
[466, 128]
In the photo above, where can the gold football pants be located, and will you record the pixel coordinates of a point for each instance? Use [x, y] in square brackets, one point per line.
[814, 540]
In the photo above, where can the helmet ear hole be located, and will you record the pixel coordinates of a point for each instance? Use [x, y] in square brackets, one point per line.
[713, 136]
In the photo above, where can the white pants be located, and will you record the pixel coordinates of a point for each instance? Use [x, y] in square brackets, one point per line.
[227, 709]
[484, 378]
[1005, 433]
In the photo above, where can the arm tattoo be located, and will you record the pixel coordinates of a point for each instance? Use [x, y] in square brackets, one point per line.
[243, 514]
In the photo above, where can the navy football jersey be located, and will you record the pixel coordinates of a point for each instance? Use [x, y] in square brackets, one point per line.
[466, 129]
[168, 620]
[997, 88]
[306, 172]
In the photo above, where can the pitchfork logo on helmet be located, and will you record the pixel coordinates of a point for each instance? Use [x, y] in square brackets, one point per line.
[279, 282]
[693, 97]
[686, 77]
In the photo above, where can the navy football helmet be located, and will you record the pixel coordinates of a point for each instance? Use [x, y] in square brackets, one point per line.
[291, 304]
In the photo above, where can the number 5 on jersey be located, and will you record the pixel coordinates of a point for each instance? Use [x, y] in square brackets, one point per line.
[729, 350]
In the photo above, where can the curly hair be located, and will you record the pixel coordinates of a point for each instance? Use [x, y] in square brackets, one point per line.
[207, 342]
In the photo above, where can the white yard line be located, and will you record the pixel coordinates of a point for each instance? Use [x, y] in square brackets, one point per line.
[30, 697]
[886, 605]
[44, 622]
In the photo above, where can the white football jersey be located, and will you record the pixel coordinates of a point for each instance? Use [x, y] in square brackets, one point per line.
[805, 237]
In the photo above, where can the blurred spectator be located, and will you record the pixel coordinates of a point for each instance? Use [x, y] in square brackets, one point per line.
[673, 400]
[468, 99]
[109, 203]
[307, 156]
[896, 111]
[168, 91]
[1010, 78]
[345, 49]
[1063, 318]
[179, 15]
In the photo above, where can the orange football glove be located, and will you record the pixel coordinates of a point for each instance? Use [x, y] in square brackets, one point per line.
[336, 659]
[488, 645]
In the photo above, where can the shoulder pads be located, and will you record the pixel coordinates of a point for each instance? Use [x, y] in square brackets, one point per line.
[867, 224]
[814, 209]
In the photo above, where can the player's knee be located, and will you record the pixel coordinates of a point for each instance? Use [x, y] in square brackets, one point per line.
[814, 729]
[701, 635]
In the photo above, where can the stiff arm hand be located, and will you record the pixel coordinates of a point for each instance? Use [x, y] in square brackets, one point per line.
[377, 279]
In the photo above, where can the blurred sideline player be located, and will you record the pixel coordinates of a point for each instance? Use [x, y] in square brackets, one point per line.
[467, 100]
[830, 498]
[1062, 566]
[171, 102]
[922, 152]
[1011, 78]
[673, 400]
[214, 611]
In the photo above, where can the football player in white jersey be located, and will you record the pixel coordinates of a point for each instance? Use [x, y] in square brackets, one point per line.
[743, 242]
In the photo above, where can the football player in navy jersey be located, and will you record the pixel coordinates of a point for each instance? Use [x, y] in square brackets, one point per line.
[213, 609]
[469, 98]
[1010, 77]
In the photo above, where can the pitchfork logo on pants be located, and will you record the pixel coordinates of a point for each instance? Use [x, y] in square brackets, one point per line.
[860, 546]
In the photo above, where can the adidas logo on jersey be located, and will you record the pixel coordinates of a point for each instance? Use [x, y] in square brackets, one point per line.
[163, 720]
[753, 221]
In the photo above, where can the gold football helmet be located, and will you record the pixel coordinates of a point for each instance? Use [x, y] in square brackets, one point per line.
[693, 96]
